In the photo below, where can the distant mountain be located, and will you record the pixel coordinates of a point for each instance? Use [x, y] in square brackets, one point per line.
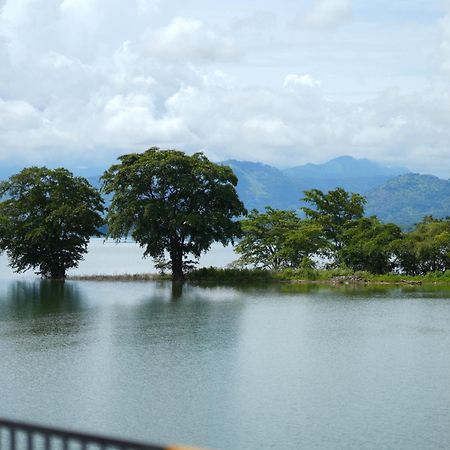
[392, 194]
[344, 167]
[354, 175]
[406, 199]
[260, 185]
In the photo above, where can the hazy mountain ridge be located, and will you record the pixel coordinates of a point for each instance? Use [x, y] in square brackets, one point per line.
[344, 167]
[261, 185]
[394, 194]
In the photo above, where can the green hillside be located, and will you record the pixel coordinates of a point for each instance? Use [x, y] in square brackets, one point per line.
[406, 199]
[261, 185]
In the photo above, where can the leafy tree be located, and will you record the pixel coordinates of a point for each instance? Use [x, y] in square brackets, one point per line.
[334, 211]
[46, 219]
[368, 245]
[172, 202]
[426, 248]
[277, 239]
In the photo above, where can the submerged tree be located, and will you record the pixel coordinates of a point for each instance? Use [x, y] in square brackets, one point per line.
[171, 202]
[277, 239]
[46, 219]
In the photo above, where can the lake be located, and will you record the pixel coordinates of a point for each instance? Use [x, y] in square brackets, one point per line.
[243, 367]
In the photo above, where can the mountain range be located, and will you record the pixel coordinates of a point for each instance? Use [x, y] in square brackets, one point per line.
[394, 194]
[261, 185]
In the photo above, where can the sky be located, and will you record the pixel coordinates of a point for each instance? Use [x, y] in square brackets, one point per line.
[283, 82]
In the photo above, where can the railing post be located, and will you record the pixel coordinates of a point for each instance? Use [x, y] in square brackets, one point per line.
[12, 438]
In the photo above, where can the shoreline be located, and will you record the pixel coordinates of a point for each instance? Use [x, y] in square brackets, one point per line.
[337, 281]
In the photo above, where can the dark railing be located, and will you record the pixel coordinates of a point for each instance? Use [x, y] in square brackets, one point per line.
[25, 436]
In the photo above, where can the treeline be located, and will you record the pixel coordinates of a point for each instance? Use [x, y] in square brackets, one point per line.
[175, 206]
[335, 230]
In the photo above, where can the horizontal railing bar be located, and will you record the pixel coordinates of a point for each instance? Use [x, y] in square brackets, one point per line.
[74, 435]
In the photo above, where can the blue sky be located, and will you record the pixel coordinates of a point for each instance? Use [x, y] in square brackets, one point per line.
[283, 82]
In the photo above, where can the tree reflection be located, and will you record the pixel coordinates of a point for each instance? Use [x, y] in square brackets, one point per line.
[42, 308]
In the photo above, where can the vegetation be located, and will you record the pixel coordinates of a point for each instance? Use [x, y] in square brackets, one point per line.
[334, 211]
[171, 202]
[280, 241]
[46, 219]
[277, 239]
[425, 249]
[369, 245]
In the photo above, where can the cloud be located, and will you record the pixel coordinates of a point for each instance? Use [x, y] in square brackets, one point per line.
[445, 43]
[325, 14]
[84, 81]
[295, 80]
[256, 22]
[190, 39]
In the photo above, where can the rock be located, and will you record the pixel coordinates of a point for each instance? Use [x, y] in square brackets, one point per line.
[348, 279]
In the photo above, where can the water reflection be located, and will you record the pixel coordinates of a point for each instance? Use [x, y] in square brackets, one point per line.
[42, 309]
[177, 291]
[38, 298]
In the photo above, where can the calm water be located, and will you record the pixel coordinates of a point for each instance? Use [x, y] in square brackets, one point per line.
[227, 368]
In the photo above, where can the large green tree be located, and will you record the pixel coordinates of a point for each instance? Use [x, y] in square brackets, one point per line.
[46, 219]
[334, 211]
[276, 239]
[171, 202]
[369, 245]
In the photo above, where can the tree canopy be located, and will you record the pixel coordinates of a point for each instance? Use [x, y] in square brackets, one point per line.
[334, 211]
[46, 219]
[369, 245]
[171, 202]
[426, 248]
[276, 239]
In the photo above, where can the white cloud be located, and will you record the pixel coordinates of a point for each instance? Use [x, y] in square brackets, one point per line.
[445, 45]
[190, 39]
[258, 21]
[295, 80]
[84, 80]
[325, 14]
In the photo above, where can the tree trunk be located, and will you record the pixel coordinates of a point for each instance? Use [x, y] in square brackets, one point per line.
[176, 257]
[58, 274]
[57, 271]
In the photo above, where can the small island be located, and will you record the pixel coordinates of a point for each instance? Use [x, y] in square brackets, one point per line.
[175, 206]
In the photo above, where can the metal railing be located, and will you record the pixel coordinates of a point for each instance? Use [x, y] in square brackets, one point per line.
[26, 436]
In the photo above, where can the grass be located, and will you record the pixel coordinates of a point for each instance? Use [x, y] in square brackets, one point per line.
[122, 277]
[238, 276]
[329, 276]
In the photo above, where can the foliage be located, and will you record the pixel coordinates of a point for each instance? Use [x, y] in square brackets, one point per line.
[277, 239]
[172, 202]
[426, 248]
[46, 219]
[334, 211]
[368, 245]
[229, 275]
